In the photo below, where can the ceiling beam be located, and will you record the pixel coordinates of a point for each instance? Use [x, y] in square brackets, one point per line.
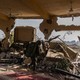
[4, 17]
[36, 7]
[27, 17]
[72, 27]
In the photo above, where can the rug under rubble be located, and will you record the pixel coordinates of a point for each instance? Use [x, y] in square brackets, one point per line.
[24, 76]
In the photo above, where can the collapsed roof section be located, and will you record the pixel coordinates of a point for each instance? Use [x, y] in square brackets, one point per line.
[38, 8]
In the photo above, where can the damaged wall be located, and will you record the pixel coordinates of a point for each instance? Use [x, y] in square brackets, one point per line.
[6, 26]
[47, 26]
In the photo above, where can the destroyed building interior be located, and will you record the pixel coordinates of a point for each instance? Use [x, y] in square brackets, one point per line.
[23, 56]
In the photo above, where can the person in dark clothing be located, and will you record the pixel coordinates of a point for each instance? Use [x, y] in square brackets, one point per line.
[32, 51]
[35, 53]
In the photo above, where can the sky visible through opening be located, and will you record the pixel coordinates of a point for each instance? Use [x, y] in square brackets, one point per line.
[65, 35]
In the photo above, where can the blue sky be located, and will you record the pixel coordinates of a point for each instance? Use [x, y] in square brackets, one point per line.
[65, 35]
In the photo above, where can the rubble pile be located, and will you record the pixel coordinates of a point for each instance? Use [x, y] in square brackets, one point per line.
[58, 61]
[50, 64]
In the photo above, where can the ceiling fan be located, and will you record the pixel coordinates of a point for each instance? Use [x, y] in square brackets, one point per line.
[73, 12]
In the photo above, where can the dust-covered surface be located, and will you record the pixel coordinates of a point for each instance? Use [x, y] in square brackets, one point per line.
[16, 72]
[57, 64]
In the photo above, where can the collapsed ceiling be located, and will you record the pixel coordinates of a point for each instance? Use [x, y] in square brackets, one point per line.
[48, 10]
[38, 8]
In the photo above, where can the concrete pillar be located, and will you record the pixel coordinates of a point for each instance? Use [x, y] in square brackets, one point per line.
[6, 26]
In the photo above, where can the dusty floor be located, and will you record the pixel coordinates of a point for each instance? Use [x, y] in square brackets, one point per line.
[14, 72]
[17, 72]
